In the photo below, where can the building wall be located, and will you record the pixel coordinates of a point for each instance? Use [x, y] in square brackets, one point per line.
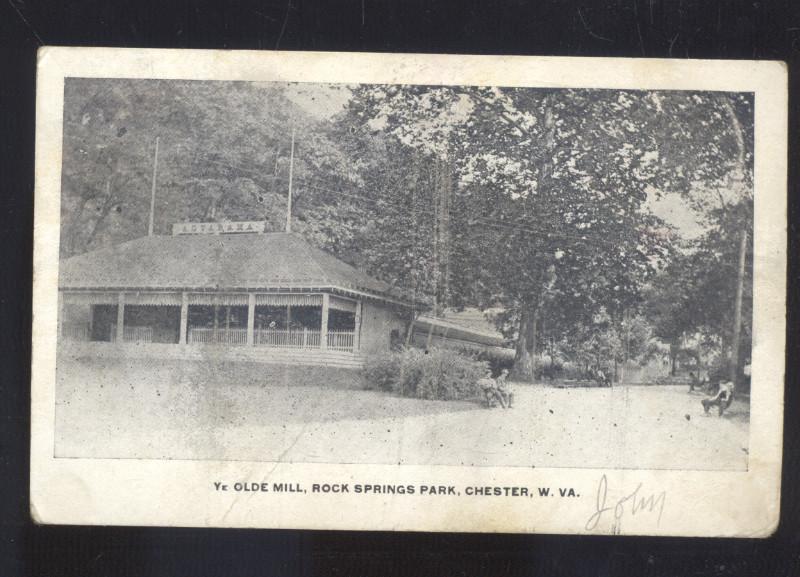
[377, 323]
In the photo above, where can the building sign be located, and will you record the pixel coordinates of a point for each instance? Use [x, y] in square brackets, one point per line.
[217, 227]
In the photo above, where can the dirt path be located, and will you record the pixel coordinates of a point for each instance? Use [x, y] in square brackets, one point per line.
[627, 426]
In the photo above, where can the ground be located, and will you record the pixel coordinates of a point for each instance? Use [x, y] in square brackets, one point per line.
[171, 409]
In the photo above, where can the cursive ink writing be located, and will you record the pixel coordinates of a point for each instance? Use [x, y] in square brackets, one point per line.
[633, 503]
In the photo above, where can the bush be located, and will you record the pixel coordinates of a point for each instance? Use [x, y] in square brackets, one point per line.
[436, 374]
[496, 361]
[550, 370]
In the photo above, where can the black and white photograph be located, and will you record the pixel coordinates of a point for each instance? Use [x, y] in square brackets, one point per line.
[461, 288]
[405, 274]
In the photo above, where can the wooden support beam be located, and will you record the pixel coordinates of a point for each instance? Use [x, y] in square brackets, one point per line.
[323, 336]
[357, 328]
[184, 318]
[121, 318]
[251, 318]
[737, 312]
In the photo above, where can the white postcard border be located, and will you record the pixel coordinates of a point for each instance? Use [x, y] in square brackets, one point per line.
[180, 493]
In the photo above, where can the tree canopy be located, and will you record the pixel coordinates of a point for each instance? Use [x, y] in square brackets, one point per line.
[535, 202]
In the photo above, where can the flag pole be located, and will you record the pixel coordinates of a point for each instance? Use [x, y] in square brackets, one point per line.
[153, 191]
[289, 201]
[737, 310]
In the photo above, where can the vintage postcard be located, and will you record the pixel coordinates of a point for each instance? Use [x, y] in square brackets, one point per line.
[407, 292]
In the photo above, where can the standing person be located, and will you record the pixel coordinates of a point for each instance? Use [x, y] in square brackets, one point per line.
[697, 381]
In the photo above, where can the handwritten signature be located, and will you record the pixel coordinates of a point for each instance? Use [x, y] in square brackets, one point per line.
[632, 503]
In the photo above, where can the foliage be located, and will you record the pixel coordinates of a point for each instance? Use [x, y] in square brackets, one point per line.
[693, 298]
[553, 189]
[224, 151]
[434, 374]
[537, 202]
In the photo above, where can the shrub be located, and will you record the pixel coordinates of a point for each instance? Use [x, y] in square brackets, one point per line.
[550, 370]
[380, 371]
[497, 362]
[434, 374]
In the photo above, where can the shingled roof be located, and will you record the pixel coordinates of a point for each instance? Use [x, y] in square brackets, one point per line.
[268, 261]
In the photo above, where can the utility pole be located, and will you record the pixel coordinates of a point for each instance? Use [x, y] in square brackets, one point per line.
[737, 312]
[291, 174]
[153, 191]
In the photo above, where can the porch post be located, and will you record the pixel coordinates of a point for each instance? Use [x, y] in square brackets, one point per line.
[323, 333]
[184, 318]
[357, 328]
[251, 317]
[120, 318]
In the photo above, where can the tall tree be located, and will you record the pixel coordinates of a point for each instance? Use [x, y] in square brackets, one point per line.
[224, 154]
[570, 171]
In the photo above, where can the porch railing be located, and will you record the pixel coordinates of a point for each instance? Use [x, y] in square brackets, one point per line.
[222, 336]
[285, 339]
[133, 334]
[137, 334]
[341, 340]
[78, 333]
[273, 338]
[303, 339]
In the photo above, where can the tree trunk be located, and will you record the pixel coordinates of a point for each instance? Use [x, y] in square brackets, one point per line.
[523, 370]
[673, 359]
[625, 344]
[533, 340]
[525, 355]
[410, 329]
[104, 211]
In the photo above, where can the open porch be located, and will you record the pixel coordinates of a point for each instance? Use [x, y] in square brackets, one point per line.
[297, 321]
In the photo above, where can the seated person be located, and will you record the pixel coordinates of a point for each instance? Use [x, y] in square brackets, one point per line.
[601, 378]
[505, 391]
[490, 391]
[722, 399]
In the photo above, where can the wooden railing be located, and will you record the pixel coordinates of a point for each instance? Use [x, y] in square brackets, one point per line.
[341, 340]
[273, 338]
[75, 332]
[220, 336]
[137, 334]
[303, 339]
[133, 334]
[285, 339]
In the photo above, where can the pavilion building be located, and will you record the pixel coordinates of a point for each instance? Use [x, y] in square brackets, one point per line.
[228, 290]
